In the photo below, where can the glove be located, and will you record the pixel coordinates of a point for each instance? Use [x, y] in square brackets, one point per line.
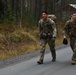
[65, 41]
[53, 39]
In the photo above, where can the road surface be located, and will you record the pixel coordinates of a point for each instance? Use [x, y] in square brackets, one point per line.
[61, 67]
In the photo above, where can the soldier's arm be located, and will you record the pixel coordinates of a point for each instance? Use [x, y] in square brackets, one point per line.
[66, 29]
[54, 28]
[39, 27]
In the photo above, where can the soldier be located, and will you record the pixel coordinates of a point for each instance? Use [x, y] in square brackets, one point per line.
[70, 30]
[48, 32]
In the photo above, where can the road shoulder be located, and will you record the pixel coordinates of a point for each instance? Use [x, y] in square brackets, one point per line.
[25, 57]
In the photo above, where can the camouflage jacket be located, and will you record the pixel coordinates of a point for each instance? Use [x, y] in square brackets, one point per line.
[70, 29]
[47, 27]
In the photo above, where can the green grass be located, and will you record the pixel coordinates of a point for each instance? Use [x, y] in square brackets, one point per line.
[15, 41]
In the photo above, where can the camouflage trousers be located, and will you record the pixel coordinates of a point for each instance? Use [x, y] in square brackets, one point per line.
[51, 44]
[73, 47]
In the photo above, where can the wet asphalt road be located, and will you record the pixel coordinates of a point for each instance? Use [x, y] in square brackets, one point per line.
[61, 67]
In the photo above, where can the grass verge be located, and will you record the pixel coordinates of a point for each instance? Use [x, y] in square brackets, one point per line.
[15, 41]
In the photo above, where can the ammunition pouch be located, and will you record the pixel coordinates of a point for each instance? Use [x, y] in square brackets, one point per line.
[45, 36]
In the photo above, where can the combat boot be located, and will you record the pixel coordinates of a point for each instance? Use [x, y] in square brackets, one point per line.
[54, 59]
[54, 56]
[73, 62]
[40, 62]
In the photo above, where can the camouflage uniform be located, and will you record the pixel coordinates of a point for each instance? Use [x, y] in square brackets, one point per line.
[70, 30]
[47, 31]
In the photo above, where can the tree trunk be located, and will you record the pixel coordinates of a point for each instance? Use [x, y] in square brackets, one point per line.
[37, 10]
[5, 10]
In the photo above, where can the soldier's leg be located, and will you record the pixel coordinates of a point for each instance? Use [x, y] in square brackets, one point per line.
[43, 45]
[73, 46]
[51, 44]
[72, 41]
[74, 52]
